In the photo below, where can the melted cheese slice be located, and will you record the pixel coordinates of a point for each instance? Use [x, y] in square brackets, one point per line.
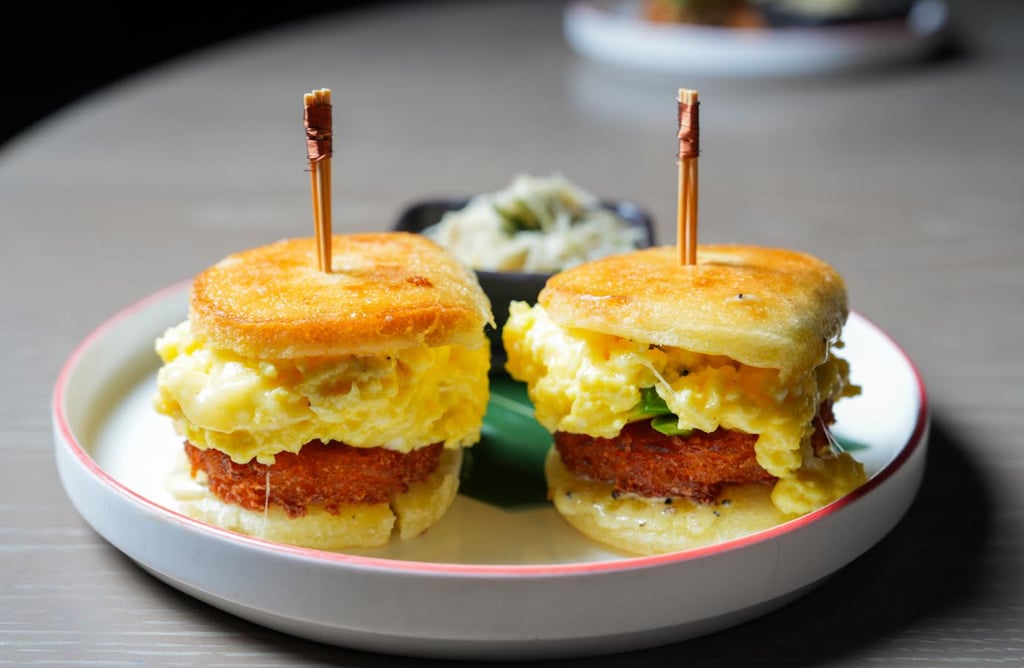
[589, 383]
[255, 408]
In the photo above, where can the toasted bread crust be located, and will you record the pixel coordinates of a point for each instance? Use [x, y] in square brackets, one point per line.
[639, 525]
[385, 291]
[764, 307]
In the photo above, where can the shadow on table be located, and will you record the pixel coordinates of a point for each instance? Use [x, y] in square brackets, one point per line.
[921, 570]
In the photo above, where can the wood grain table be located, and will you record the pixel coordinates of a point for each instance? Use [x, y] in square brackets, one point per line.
[909, 180]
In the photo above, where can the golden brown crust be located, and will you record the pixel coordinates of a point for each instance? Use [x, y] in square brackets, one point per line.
[385, 291]
[763, 307]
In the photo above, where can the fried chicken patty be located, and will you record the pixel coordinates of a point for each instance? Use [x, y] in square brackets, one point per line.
[328, 474]
[643, 461]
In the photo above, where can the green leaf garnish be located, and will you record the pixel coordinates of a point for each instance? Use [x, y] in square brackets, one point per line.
[663, 420]
[651, 405]
[669, 425]
[506, 468]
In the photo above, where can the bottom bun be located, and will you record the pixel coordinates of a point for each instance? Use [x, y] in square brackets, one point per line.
[355, 526]
[646, 526]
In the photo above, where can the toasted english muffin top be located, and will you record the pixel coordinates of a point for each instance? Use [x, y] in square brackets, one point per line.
[385, 291]
[765, 307]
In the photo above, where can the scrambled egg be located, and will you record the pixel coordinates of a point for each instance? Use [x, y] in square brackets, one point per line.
[590, 383]
[258, 407]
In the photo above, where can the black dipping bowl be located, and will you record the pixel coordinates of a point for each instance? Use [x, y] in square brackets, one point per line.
[503, 287]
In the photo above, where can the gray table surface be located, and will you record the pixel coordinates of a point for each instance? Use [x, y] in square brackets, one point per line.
[909, 180]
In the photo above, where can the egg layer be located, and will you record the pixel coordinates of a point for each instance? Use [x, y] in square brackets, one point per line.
[255, 408]
[585, 382]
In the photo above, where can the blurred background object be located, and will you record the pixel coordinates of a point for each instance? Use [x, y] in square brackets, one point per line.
[752, 38]
[762, 13]
[53, 58]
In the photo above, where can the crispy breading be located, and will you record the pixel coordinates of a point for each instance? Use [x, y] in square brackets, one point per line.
[322, 474]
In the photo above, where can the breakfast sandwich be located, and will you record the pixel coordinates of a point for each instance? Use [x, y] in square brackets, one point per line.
[327, 409]
[689, 404]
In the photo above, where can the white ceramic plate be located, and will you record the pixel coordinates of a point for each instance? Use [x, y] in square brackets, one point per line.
[615, 33]
[508, 581]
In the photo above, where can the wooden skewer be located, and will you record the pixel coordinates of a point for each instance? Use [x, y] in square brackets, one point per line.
[689, 149]
[318, 121]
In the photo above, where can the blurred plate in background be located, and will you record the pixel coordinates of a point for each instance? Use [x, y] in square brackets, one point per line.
[616, 33]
